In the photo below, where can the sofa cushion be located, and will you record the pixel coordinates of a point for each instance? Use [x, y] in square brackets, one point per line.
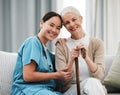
[113, 77]
[7, 64]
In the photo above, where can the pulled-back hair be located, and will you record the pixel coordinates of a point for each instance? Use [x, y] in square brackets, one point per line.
[49, 15]
[70, 9]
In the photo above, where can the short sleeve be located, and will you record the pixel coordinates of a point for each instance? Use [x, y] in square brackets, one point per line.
[31, 51]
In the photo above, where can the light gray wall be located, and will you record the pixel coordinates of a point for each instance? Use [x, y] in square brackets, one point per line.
[20, 19]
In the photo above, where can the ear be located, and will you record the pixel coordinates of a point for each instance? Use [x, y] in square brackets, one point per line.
[81, 18]
[41, 24]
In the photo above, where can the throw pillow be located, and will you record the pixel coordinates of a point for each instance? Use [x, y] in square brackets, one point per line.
[113, 77]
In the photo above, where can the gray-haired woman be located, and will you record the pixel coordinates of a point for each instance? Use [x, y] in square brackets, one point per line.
[92, 68]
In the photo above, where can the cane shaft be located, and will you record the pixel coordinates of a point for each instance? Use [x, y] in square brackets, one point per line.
[77, 76]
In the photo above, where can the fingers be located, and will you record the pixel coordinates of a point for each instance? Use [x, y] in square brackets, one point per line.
[74, 53]
[61, 41]
[83, 52]
[65, 69]
[68, 76]
[82, 45]
[83, 49]
[65, 75]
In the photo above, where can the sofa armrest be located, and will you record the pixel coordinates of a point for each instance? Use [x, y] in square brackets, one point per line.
[7, 64]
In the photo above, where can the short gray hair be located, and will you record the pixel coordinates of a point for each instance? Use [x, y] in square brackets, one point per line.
[70, 9]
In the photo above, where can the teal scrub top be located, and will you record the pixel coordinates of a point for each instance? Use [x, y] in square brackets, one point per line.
[32, 49]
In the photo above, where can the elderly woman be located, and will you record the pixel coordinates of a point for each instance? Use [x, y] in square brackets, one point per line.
[92, 68]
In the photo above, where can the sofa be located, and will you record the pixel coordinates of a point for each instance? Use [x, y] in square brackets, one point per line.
[7, 64]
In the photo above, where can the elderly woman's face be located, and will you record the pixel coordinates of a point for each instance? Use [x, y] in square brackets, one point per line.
[72, 22]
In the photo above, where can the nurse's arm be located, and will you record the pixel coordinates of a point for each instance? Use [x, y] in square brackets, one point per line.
[31, 75]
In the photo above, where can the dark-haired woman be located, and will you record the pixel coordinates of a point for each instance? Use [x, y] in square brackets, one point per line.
[34, 73]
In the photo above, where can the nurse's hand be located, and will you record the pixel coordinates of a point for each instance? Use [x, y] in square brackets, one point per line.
[65, 74]
[61, 41]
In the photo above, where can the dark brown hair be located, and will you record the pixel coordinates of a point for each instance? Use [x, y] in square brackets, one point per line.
[51, 14]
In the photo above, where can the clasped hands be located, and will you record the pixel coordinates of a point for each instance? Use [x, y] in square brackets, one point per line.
[80, 49]
[65, 74]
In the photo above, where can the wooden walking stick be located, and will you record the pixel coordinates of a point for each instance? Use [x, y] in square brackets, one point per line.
[83, 52]
[77, 76]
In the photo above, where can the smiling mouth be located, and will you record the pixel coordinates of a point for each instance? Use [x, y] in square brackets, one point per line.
[73, 29]
[52, 34]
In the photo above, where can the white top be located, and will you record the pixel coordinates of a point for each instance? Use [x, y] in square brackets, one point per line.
[84, 72]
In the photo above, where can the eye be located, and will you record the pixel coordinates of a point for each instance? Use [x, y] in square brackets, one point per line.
[51, 24]
[58, 28]
[74, 19]
[66, 23]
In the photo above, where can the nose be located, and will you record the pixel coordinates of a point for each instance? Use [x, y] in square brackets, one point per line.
[71, 23]
[54, 29]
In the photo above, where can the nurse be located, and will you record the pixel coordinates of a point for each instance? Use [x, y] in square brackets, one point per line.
[34, 73]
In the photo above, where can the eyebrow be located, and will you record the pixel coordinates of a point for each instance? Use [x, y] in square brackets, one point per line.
[54, 24]
[51, 23]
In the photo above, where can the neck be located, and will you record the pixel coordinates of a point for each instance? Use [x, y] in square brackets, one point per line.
[41, 38]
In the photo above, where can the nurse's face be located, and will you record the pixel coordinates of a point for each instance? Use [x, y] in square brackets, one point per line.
[51, 28]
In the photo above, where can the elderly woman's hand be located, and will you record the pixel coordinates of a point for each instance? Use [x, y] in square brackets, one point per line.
[83, 49]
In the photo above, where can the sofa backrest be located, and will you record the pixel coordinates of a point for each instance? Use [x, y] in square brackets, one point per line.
[7, 64]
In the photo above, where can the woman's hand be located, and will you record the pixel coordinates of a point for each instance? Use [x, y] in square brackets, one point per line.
[83, 49]
[65, 74]
[73, 54]
[61, 40]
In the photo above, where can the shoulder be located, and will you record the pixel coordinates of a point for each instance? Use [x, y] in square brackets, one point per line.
[62, 48]
[61, 43]
[96, 41]
[32, 41]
